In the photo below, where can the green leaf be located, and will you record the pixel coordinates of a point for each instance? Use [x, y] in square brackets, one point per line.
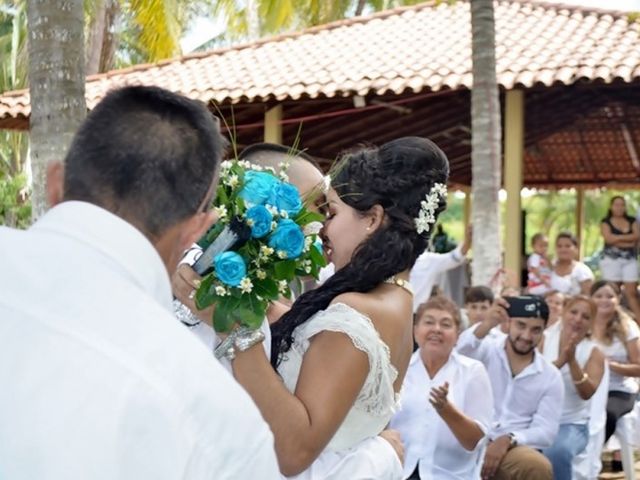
[205, 295]
[266, 288]
[249, 318]
[316, 257]
[305, 217]
[223, 316]
[285, 269]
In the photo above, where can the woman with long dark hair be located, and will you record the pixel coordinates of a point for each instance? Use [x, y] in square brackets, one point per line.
[339, 356]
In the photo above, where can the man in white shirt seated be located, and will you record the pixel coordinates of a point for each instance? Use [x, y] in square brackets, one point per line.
[100, 381]
[527, 389]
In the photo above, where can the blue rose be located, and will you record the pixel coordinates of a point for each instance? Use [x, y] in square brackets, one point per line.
[230, 268]
[258, 187]
[287, 238]
[285, 196]
[260, 219]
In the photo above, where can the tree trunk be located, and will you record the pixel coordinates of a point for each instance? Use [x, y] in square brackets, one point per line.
[56, 85]
[360, 7]
[101, 40]
[486, 151]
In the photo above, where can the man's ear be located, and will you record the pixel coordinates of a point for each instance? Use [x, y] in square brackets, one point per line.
[55, 183]
[196, 226]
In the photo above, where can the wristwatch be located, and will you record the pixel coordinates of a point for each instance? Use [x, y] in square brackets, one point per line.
[512, 440]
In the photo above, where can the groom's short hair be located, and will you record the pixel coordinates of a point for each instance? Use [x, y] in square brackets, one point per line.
[146, 154]
[271, 154]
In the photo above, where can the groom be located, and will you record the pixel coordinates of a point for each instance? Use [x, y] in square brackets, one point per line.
[98, 380]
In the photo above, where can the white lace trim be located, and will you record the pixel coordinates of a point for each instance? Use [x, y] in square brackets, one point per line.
[377, 396]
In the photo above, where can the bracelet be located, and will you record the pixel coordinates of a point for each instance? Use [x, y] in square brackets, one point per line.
[240, 339]
[585, 377]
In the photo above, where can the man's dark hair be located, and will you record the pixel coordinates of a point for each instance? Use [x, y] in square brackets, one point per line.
[478, 293]
[145, 154]
[260, 148]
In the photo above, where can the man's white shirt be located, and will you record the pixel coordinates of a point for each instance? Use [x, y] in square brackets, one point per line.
[99, 380]
[527, 405]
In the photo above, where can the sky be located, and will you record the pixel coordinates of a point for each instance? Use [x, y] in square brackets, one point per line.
[203, 29]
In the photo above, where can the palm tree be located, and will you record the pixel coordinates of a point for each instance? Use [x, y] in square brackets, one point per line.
[56, 85]
[485, 145]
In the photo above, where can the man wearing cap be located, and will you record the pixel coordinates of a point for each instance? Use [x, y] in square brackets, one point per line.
[527, 389]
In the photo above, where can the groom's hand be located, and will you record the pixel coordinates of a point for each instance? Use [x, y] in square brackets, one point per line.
[184, 283]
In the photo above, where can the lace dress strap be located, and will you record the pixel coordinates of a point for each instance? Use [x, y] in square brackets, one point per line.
[377, 395]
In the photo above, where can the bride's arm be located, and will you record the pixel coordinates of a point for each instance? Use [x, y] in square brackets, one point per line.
[332, 374]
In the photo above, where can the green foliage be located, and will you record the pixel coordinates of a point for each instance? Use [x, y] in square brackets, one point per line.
[15, 209]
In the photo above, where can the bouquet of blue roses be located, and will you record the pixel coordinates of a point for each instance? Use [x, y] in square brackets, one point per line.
[279, 244]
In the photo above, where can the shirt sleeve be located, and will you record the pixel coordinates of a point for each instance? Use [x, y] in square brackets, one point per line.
[438, 262]
[581, 272]
[478, 403]
[534, 261]
[471, 346]
[633, 332]
[545, 423]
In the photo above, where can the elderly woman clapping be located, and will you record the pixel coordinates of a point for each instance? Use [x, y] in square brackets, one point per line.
[446, 400]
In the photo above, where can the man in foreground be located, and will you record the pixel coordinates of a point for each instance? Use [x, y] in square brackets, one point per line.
[98, 379]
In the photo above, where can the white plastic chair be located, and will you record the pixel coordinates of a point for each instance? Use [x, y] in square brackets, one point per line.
[627, 435]
[587, 465]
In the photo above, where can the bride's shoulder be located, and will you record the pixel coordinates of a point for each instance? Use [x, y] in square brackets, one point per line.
[364, 303]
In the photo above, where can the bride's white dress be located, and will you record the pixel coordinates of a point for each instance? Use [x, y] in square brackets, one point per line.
[355, 452]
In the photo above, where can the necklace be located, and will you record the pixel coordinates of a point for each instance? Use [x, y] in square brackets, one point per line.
[400, 282]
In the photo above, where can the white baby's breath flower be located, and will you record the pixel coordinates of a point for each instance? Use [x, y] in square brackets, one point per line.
[245, 164]
[266, 251]
[261, 274]
[274, 225]
[221, 291]
[308, 241]
[284, 214]
[282, 286]
[250, 222]
[312, 228]
[307, 270]
[272, 210]
[231, 181]
[246, 285]
[270, 170]
[221, 211]
[282, 254]
[284, 177]
[226, 165]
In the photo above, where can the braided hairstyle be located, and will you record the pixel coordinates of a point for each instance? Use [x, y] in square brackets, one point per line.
[397, 176]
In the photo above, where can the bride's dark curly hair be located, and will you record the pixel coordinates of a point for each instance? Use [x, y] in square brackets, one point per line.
[398, 176]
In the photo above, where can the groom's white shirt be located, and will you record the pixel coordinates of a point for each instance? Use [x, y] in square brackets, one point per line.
[98, 379]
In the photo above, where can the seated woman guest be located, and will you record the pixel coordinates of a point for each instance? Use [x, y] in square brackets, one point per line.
[446, 400]
[568, 275]
[568, 347]
[617, 335]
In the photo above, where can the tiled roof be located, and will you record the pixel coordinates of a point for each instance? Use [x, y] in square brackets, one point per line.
[408, 49]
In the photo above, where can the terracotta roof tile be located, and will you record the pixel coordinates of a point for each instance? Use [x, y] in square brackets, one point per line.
[424, 47]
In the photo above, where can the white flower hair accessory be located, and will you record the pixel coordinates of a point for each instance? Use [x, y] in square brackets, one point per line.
[426, 216]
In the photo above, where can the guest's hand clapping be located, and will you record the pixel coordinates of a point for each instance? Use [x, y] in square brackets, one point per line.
[438, 397]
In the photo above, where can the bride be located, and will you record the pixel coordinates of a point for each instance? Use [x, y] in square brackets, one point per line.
[340, 354]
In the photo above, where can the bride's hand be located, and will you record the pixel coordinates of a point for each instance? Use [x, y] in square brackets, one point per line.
[393, 437]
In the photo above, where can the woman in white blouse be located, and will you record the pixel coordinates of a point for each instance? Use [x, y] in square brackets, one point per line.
[569, 276]
[618, 336]
[567, 345]
[446, 400]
